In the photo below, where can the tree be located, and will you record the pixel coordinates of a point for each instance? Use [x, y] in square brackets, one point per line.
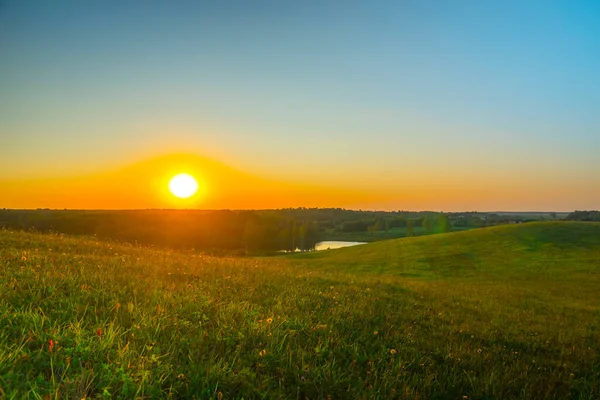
[285, 239]
[253, 234]
[302, 236]
[444, 224]
[427, 224]
[377, 225]
[409, 228]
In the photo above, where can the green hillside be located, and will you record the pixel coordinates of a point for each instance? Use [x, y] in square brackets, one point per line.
[541, 249]
[503, 312]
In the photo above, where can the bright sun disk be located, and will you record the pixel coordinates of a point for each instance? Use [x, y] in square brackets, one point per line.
[183, 186]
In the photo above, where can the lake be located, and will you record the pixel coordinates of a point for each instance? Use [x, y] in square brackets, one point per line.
[332, 244]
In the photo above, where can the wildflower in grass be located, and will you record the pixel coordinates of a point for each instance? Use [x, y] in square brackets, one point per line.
[23, 258]
[262, 353]
[50, 345]
[393, 351]
[181, 377]
[99, 332]
[375, 333]
[478, 351]
[219, 395]
[269, 320]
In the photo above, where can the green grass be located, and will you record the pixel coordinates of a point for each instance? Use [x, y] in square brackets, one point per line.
[393, 233]
[495, 313]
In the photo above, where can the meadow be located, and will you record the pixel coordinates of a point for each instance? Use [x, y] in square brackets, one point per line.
[495, 313]
[392, 233]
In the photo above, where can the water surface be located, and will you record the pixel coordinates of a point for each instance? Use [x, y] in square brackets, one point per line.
[334, 244]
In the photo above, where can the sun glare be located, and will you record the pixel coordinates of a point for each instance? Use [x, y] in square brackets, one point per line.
[183, 186]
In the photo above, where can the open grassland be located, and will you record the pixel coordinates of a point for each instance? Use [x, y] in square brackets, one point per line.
[393, 233]
[504, 312]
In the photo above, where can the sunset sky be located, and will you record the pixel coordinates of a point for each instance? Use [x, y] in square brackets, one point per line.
[439, 105]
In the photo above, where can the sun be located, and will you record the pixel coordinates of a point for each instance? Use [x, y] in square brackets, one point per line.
[183, 186]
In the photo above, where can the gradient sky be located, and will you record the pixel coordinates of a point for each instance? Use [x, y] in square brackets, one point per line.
[446, 105]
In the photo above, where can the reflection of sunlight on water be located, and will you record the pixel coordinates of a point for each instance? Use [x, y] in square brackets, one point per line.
[330, 245]
[327, 245]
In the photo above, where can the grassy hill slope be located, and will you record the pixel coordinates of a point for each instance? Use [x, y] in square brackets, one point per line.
[506, 312]
[515, 251]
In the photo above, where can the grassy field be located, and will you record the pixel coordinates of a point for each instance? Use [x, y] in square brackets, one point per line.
[495, 313]
[393, 233]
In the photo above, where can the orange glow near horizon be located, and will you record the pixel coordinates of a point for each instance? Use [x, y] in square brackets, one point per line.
[146, 185]
[201, 183]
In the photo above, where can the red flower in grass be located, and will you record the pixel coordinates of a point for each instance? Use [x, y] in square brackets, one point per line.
[99, 332]
[50, 345]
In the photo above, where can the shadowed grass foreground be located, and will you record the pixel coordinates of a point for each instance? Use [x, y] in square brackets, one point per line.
[506, 312]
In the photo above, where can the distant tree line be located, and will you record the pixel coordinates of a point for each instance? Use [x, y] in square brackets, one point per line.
[252, 231]
[218, 232]
[592, 215]
[438, 223]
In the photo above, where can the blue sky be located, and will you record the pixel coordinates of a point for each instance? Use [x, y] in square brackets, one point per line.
[380, 92]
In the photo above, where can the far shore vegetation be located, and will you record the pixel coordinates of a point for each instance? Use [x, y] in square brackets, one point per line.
[259, 232]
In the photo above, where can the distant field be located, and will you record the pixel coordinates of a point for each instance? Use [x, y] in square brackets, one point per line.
[504, 312]
[393, 233]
